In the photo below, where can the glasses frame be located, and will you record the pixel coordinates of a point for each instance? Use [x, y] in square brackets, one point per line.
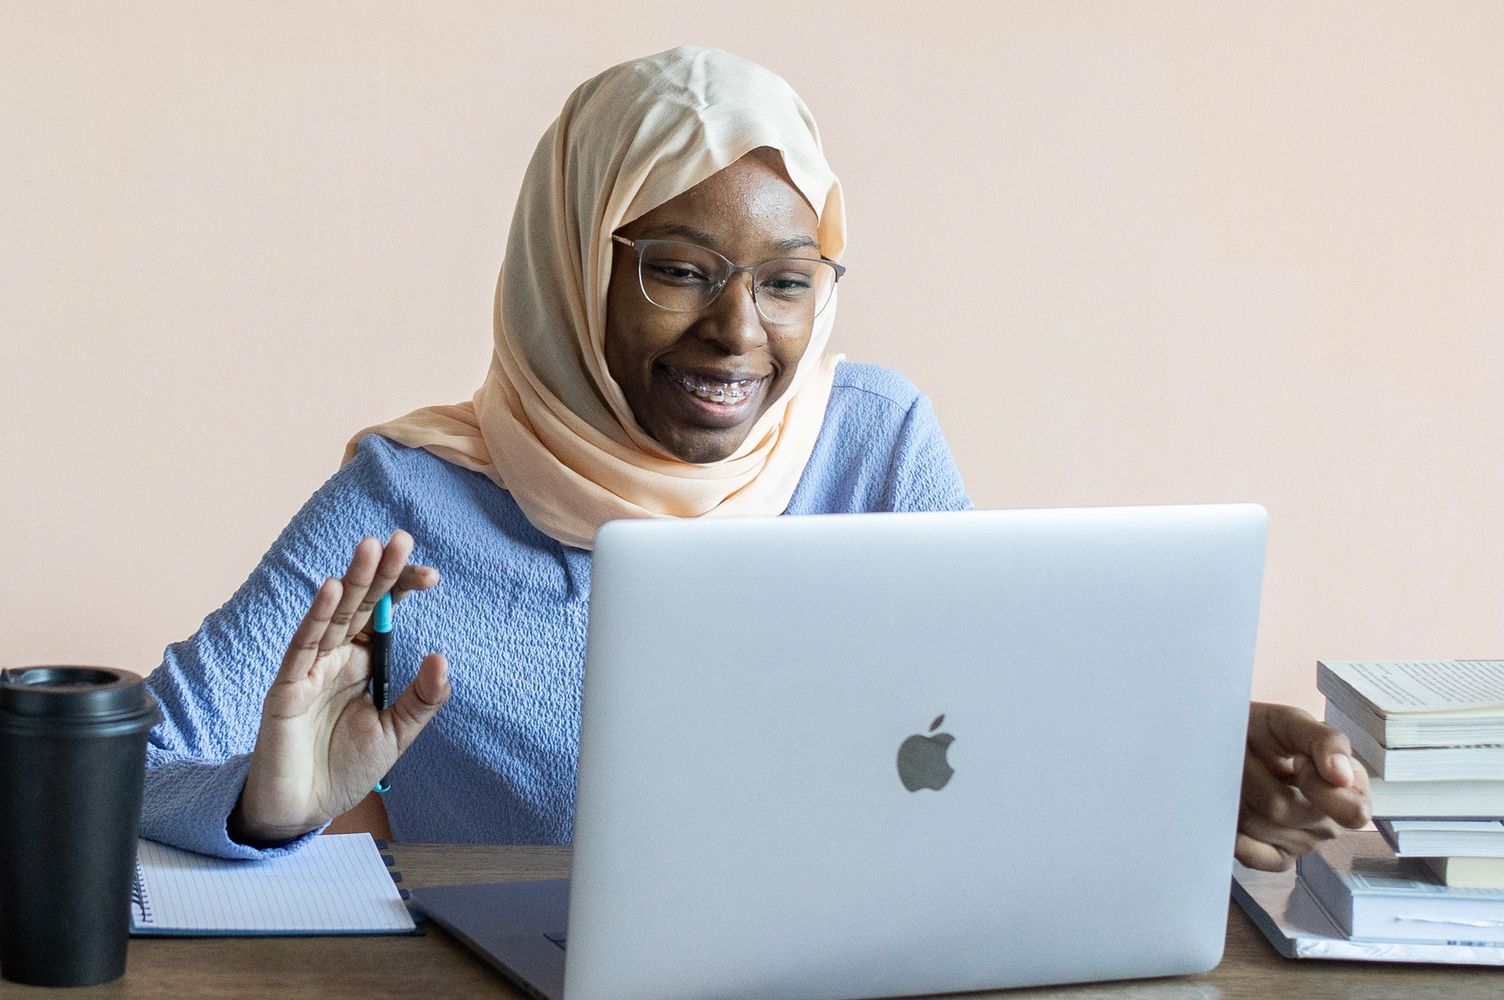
[733, 269]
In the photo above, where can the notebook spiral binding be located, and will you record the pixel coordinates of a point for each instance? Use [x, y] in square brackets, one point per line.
[140, 898]
[419, 917]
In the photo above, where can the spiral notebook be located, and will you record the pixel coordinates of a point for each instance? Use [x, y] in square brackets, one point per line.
[336, 884]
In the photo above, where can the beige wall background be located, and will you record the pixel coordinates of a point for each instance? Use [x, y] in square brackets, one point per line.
[1136, 253]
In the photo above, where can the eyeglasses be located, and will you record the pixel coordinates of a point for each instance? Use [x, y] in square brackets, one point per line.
[686, 277]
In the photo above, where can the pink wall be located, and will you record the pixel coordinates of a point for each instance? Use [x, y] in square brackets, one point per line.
[1136, 253]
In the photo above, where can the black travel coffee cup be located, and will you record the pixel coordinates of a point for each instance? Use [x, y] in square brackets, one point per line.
[72, 763]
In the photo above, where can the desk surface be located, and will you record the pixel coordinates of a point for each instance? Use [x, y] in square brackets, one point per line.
[435, 965]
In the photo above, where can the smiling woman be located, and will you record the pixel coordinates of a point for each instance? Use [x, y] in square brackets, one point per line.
[579, 417]
[660, 333]
[660, 337]
[699, 367]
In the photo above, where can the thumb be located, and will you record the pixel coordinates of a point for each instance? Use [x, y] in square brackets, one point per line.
[1296, 732]
[420, 702]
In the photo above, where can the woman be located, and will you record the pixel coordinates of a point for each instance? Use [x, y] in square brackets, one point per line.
[660, 332]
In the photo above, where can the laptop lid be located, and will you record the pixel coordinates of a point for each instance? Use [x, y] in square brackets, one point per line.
[870, 755]
[770, 706]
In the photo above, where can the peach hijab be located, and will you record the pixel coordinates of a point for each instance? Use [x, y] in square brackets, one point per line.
[549, 423]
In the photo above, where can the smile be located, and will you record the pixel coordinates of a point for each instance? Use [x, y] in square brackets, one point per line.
[713, 390]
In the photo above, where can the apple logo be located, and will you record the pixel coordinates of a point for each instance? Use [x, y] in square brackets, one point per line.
[921, 759]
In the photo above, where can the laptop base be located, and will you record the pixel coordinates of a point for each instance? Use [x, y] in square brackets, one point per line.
[506, 924]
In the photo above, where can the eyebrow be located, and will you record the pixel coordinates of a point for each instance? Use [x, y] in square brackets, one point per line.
[694, 235]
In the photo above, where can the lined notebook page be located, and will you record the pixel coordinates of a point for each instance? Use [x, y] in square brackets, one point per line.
[337, 884]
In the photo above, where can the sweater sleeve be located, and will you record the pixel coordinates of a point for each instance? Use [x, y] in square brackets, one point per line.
[211, 685]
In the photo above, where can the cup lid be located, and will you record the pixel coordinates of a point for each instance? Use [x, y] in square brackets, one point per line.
[97, 694]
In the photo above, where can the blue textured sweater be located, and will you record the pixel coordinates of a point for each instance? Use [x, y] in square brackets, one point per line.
[497, 764]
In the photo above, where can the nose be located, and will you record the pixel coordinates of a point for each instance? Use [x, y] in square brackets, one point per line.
[732, 321]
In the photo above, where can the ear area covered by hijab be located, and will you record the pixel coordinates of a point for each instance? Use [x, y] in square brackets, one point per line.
[549, 423]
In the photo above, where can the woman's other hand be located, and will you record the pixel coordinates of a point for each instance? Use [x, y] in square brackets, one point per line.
[1301, 786]
[322, 744]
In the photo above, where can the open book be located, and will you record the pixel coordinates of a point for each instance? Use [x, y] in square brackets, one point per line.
[1441, 763]
[1418, 703]
[337, 884]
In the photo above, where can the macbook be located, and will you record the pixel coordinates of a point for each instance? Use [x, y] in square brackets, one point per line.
[893, 754]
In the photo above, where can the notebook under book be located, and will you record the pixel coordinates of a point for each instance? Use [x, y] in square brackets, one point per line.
[336, 884]
[872, 755]
[1373, 895]
[1295, 923]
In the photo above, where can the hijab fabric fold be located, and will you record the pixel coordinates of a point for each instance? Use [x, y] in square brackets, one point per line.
[549, 423]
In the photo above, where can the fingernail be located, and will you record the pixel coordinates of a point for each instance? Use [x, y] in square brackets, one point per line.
[1343, 766]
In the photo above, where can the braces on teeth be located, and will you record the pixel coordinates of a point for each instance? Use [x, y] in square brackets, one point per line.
[718, 392]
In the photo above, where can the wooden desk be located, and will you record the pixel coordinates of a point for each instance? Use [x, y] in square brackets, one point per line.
[435, 965]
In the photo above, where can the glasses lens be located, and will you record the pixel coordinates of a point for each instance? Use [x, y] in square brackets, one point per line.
[680, 277]
[685, 277]
[794, 289]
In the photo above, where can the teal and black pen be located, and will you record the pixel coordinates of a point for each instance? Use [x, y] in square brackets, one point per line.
[381, 665]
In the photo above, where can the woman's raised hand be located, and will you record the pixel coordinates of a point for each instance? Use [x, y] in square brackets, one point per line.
[322, 743]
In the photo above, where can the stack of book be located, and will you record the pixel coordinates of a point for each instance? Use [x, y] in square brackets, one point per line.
[1431, 735]
[1428, 885]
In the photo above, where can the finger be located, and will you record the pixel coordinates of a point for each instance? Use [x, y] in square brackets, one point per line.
[1279, 803]
[1349, 806]
[1332, 753]
[1264, 857]
[1263, 746]
[303, 649]
[413, 579]
[420, 702]
[357, 582]
[1293, 732]
[1288, 842]
[388, 569]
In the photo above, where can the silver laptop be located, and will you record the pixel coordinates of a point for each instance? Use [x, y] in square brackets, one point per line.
[891, 754]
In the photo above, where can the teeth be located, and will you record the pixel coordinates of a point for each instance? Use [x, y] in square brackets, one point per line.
[725, 393]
